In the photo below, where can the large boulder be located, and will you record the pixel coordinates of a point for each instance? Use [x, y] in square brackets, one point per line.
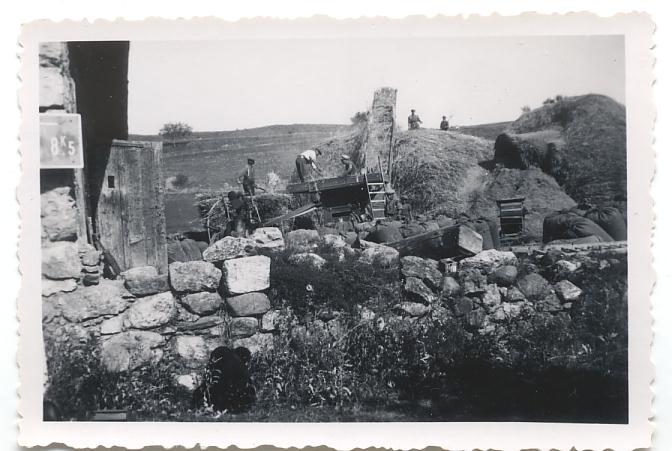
[151, 311]
[129, 350]
[106, 299]
[58, 215]
[412, 309]
[256, 343]
[248, 304]
[504, 275]
[534, 287]
[51, 287]
[202, 304]
[308, 258]
[378, 254]
[489, 260]
[60, 260]
[243, 327]
[191, 350]
[416, 291]
[194, 276]
[302, 240]
[247, 274]
[567, 291]
[424, 269]
[229, 247]
[269, 238]
[145, 280]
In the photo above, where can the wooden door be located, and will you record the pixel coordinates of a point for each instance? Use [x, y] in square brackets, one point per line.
[131, 216]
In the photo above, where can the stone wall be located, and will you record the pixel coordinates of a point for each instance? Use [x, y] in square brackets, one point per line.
[144, 316]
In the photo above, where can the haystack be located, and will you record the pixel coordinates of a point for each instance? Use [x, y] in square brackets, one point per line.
[542, 195]
[439, 171]
[594, 131]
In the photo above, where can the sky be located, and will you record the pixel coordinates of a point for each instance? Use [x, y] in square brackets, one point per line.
[236, 84]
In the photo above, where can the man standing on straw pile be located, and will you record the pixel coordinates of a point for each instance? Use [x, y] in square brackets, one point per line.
[414, 121]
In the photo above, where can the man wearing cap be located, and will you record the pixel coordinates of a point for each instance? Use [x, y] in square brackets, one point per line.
[348, 166]
[414, 121]
[247, 178]
[444, 124]
[307, 161]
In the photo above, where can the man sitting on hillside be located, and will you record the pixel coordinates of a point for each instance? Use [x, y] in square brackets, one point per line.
[444, 124]
[414, 121]
[247, 178]
[306, 162]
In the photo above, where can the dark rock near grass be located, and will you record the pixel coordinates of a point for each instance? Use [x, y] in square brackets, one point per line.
[145, 280]
[249, 304]
[424, 269]
[202, 304]
[504, 275]
[462, 306]
[534, 287]
[416, 291]
[243, 327]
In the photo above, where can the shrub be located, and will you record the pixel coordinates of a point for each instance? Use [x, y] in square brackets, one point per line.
[339, 285]
[80, 384]
[180, 181]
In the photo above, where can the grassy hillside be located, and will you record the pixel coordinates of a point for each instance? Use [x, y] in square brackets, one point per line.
[212, 159]
[487, 131]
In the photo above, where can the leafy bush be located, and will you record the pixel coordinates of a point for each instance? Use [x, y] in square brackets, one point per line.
[339, 285]
[79, 384]
[180, 181]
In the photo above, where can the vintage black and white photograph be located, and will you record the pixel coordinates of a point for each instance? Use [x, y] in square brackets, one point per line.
[335, 230]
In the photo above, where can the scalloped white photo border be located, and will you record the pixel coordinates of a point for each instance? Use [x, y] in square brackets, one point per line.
[637, 29]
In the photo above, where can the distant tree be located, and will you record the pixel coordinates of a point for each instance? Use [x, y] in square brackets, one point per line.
[549, 101]
[559, 98]
[180, 181]
[175, 130]
[526, 109]
[360, 117]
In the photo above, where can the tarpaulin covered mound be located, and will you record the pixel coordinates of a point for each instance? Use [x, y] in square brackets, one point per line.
[594, 130]
[438, 171]
[542, 195]
[543, 149]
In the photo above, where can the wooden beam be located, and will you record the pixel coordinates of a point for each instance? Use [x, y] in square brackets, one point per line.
[333, 183]
[450, 241]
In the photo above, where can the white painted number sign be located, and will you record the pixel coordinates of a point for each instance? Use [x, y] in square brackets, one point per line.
[61, 141]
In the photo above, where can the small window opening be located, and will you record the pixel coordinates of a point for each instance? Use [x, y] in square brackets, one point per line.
[110, 181]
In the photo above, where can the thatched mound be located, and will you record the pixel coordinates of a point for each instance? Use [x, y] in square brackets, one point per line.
[593, 129]
[439, 171]
[542, 195]
[544, 149]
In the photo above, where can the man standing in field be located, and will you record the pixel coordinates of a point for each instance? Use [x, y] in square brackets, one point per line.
[444, 124]
[247, 178]
[306, 162]
[414, 121]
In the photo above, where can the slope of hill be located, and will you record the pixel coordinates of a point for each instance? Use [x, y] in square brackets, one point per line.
[593, 129]
[487, 131]
[212, 159]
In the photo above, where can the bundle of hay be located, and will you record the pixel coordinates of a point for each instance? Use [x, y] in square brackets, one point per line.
[542, 195]
[438, 172]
